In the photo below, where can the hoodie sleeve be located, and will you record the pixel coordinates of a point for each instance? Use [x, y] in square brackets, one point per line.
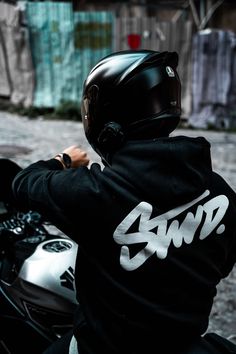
[40, 187]
[28, 184]
[58, 195]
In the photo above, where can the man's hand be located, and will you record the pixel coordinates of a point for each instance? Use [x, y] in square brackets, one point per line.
[78, 156]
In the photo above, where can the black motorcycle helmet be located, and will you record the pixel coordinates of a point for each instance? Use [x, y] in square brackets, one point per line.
[131, 95]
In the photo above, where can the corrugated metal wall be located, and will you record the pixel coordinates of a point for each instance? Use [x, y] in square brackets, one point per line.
[65, 45]
[213, 79]
[93, 41]
[51, 29]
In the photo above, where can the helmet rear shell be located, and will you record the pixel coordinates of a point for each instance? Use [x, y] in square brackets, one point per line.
[130, 88]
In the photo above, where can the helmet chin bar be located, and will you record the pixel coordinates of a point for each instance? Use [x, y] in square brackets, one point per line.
[154, 127]
[113, 136]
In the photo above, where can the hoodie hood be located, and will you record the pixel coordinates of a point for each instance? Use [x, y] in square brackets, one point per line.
[172, 170]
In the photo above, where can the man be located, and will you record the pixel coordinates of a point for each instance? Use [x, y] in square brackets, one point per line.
[156, 226]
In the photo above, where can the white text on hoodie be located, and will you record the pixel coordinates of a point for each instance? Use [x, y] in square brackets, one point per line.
[157, 236]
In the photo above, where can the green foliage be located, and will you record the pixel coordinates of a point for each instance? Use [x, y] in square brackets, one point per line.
[67, 110]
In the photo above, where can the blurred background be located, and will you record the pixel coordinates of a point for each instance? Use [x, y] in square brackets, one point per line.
[47, 49]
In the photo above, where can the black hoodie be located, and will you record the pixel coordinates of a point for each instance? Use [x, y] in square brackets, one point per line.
[156, 233]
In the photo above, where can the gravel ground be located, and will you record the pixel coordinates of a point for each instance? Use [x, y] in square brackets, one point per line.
[24, 141]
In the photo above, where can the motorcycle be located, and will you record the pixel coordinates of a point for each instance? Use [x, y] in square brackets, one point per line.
[37, 293]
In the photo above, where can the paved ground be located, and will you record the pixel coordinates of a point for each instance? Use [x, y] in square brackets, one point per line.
[26, 140]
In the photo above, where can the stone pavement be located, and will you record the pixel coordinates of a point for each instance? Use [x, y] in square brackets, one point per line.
[27, 140]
